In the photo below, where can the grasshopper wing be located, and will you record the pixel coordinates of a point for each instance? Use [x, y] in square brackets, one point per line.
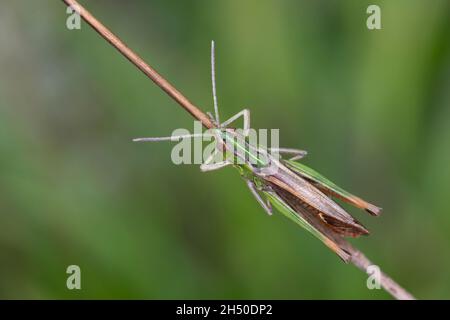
[292, 208]
[328, 187]
[311, 198]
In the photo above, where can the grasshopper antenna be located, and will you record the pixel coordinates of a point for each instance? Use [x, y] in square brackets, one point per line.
[169, 138]
[213, 80]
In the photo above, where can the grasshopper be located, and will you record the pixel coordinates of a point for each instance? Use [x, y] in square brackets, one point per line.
[297, 191]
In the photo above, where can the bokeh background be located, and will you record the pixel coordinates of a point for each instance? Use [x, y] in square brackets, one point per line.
[371, 107]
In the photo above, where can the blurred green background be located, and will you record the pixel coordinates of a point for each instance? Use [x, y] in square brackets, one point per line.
[371, 107]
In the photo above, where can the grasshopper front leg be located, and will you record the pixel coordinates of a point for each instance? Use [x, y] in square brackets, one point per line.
[208, 166]
[298, 154]
[245, 114]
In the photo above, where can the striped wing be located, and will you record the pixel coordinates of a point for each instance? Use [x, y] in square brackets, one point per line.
[328, 187]
[292, 208]
[317, 202]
